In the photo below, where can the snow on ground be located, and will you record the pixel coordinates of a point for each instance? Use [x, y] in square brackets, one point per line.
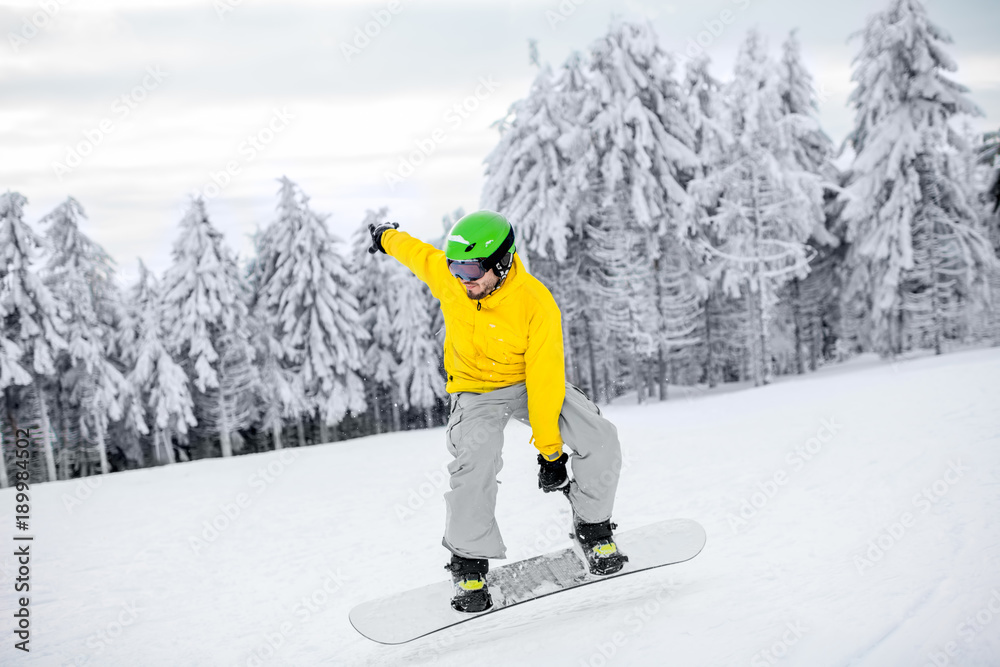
[853, 518]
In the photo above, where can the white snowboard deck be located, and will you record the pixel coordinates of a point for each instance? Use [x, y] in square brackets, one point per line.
[408, 615]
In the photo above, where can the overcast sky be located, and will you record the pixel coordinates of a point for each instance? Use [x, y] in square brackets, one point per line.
[163, 96]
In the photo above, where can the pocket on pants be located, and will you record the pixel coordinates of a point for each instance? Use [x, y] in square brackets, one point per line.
[454, 419]
[590, 404]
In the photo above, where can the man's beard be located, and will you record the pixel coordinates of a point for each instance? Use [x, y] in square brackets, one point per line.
[487, 290]
[477, 296]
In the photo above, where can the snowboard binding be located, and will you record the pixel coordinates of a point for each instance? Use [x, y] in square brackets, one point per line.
[472, 593]
[597, 542]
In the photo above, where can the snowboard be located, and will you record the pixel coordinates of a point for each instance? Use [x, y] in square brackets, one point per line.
[404, 616]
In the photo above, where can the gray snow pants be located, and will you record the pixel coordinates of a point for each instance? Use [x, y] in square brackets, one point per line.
[475, 439]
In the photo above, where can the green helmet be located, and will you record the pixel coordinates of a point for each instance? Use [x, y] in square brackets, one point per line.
[483, 235]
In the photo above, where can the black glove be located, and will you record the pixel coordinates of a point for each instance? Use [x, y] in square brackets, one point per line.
[552, 474]
[376, 231]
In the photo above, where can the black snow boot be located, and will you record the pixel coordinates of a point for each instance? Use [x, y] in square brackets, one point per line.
[598, 544]
[471, 592]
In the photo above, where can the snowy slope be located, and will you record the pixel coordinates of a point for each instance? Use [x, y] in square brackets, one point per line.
[798, 484]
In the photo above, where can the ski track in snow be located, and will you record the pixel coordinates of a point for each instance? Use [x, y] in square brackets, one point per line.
[117, 580]
[924, 599]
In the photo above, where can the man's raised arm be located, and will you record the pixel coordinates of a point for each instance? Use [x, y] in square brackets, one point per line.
[424, 260]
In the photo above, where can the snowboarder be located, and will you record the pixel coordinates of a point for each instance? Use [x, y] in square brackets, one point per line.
[503, 354]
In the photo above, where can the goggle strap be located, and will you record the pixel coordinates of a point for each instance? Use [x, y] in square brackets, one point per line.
[494, 260]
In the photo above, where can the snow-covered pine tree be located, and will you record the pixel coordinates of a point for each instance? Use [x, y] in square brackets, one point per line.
[623, 287]
[80, 275]
[810, 308]
[811, 149]
[765, 205]
[539, 177]
[205, 322]
[159, 382]
[31, 325]
[988, 159]
[644, 141]
[682, 289]
[127, 338]
[571, 284]
[704, 106]
[282, 394]
[376, 309]
[533, 175]
[308, 294]
[418, 371]
[591, 168]
[725, 327]
[914, 246]
[988, 155]
[134, 423]
[644, 146]
[948, 285]
[526, 166]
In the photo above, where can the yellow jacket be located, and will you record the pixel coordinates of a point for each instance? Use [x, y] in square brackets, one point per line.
[513, 335]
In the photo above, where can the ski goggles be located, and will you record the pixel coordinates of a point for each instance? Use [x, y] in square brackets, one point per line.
[467, 269]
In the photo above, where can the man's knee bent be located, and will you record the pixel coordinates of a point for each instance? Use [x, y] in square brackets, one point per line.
[477, 441]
